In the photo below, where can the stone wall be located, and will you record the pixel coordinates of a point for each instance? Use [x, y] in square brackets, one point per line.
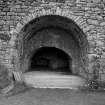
[88, 14]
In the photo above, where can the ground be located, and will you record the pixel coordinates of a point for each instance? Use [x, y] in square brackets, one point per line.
[54, 97]
[26, 95]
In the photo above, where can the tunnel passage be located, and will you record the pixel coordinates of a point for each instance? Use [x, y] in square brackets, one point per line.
[51, 59]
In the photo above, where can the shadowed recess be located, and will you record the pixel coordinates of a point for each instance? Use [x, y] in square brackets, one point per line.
[50, 59]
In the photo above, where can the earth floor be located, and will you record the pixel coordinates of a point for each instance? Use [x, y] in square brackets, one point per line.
[38, 96]
[23, 95]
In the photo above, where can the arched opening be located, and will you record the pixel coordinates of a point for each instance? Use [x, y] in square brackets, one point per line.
[50, 59]
[59, 34]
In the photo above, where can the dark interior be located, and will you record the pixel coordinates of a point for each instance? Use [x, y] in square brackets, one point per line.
[50, 59]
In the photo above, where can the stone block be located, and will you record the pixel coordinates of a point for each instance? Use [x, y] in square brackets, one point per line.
[96, 1]
[102, 23]
[2, 13]
[93, 22]
[79, 13]
[6, 9]
[4, 37]
[18, 6]
[99, 43]
[91, 56]
[90, 4]
[102, 77]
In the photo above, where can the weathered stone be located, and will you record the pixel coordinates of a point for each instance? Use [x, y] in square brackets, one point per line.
[2, 13]
[102, 77]
[93, 22]
[90, 4]
[4, 37]
[99, 17]
[96, 1]
[88, 28]
[100, 43]
[102, 23]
